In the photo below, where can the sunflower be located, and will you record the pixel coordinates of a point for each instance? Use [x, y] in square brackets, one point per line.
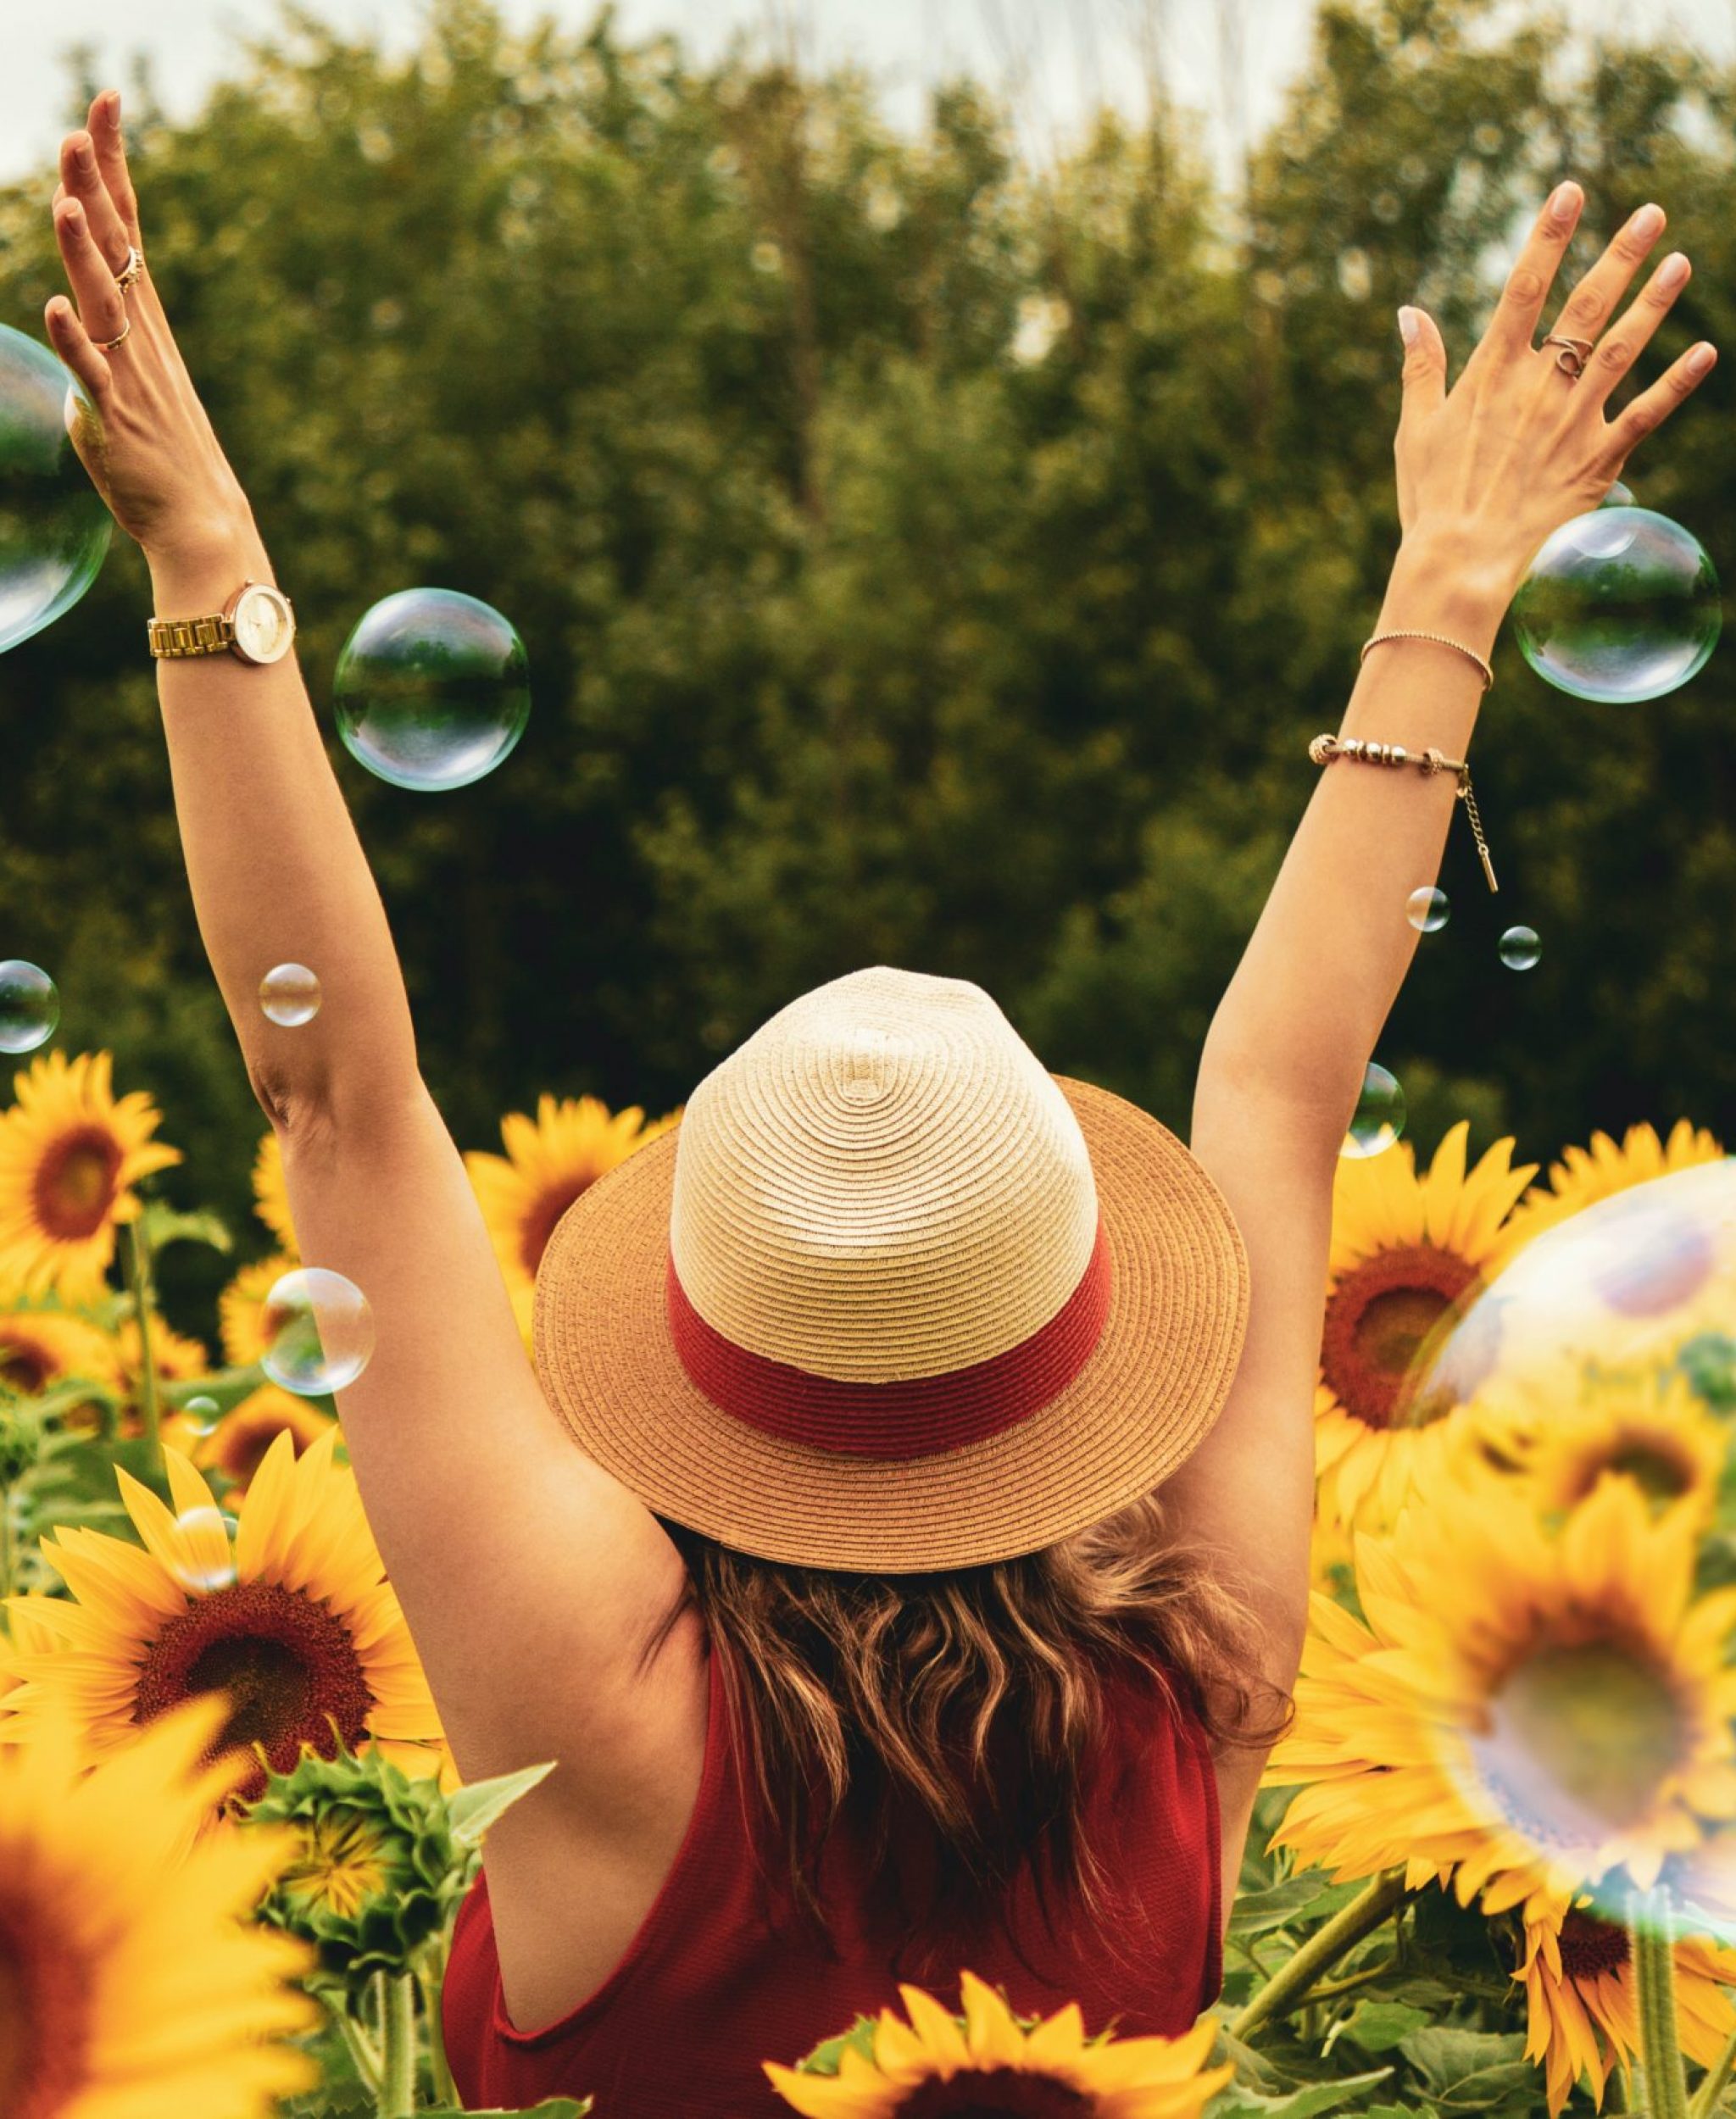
[40, 1348]
[237, 1445]
[938, 2066]
[1584, 1176]
[175, 1358]
[271, 1195]
[1408, 1253]
[130, 1982]
[1647, 1427]
[239, 1309]
[548, 1162]
[291, 1615]
[70, 1155]
[1527, 1707]
[1582, 2013]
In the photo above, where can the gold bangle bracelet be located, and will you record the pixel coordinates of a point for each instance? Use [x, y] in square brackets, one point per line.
[1325, 747]
[1440, 639]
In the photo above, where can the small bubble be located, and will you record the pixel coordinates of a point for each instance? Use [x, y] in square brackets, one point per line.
[318, 1331]
[1520, 948]
[204, 1559]
[289, 994]
[431, 689]
[1427, 909]
[1379, 1117]
[201, 1414]
[29, 1006]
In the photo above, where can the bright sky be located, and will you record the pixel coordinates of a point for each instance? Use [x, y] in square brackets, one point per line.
[1229, 59]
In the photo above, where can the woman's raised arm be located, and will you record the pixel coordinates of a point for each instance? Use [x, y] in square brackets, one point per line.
[529, 1575]
[1485, 472]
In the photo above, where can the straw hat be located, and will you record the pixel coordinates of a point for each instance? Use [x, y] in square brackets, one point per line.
[891, 1297]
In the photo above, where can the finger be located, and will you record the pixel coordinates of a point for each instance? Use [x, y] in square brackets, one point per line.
[1620, 347]
[1424, 375]
[72, 342]
[1652, 408]
[80, 179]
[102, 307]
[111, 160]
[1514, 324]
[1588, 307]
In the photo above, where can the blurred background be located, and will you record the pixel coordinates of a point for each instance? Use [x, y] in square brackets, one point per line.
[939, 457]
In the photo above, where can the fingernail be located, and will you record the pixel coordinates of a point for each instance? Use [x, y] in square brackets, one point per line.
[1674, 270]
[1647, 222]
[1408, 324]
[1564, 199]
[75, 214]
[85, 155]
[1701, 358]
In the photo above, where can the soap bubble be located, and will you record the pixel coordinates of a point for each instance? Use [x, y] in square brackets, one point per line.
[289, 994]
[29, 1006]
[318, 1331]
[1618, 496]
[1427, 909]
[201, 1414]
[431, 689]
[54, 529]
[204, 1557]
[1582, 1359]
[1619, 604]
[1520, 948]
[1380, 1115]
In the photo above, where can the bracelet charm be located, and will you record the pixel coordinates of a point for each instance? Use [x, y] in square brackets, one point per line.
[1360, 751]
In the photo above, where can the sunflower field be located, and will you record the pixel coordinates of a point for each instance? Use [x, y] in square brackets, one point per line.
[1493, 1869]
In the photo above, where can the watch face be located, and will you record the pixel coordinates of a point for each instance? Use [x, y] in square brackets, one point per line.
[263, 627]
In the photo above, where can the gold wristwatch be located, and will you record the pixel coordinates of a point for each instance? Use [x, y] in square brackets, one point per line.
[255, 625]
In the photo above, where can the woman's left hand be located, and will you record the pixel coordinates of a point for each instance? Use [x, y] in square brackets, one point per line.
[151, 450]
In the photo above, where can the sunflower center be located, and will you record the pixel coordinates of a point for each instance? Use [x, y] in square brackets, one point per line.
[24, 1368]
[995, 2093]
[1379, 1318]
[75, 1184]
[44, 2016]
[1579, 1741]
[343, 1863]
[286, 1659]
[537, 1222]
[1591, 1947]
[1660, 1472]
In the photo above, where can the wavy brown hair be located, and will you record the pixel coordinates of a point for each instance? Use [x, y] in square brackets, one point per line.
[965, 1705]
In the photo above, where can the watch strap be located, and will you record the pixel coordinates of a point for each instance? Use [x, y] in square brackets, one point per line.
[171, 639]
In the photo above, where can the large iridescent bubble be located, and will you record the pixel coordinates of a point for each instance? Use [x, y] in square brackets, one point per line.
[54, 528]
[433, 689]
[1620, 604]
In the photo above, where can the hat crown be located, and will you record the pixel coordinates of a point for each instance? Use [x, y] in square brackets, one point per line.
[882, 1182]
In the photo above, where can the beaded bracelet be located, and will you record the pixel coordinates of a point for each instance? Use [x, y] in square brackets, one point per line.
[1324, 748]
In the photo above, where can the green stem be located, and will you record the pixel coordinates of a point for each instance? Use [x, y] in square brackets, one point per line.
[6, 1582]
[364, 2055]
[396, 2097]
[430, 1981]
[1651, 1943]
[138, 1260]
[1290, 1984]
[1329, 1989]
[1705, 2098]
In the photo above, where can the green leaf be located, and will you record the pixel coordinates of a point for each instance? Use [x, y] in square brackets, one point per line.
[1450, 2059]
[1281, 1905]
[1378, 2026]
[473, 1808]
[1300, 2104]
[163, 1224]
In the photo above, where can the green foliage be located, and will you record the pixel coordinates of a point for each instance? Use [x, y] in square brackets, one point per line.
[921, 558]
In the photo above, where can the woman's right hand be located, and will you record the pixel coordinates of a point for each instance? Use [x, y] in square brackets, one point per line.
[151, 451]
[1517, 446]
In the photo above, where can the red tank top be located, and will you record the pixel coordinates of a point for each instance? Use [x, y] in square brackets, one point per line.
[709, 1988]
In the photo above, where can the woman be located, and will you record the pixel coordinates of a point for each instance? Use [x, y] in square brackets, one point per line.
[901, 1544]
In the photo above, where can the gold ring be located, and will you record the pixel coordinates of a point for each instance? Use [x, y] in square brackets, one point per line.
[1573, 355]
[107, 345]
[132, 270]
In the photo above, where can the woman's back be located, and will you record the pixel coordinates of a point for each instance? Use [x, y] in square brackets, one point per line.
[710, 1987]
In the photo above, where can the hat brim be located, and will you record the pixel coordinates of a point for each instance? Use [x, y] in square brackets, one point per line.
[1144, 1400]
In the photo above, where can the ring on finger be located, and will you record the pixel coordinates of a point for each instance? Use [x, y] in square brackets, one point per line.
[1573, 355]
[107, 345]
[133, 270]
